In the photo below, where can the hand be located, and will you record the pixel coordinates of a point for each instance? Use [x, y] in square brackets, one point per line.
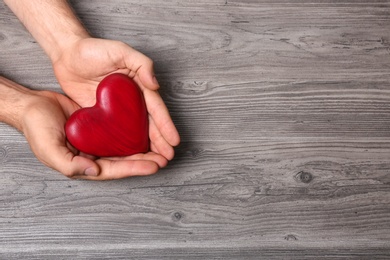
[43, 125]
[81, 67]
[81, 62]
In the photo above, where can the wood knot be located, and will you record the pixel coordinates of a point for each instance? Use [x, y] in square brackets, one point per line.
[3, 154]
[304, 177]
[177, 216]
[290, 237]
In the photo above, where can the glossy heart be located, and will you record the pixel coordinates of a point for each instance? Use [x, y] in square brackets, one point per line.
[117, 125]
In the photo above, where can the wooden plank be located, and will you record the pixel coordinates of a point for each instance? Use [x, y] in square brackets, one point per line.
[284, 112]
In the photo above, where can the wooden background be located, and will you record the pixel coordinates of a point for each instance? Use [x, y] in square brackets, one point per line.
[284, 112]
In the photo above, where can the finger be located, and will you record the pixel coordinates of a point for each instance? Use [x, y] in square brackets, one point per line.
[119, 169]
[147, 76]
[157, 158]
[150, 156]
[140, 67]
[63, 160]
[160, 114]
[159, 143]
[153, 148]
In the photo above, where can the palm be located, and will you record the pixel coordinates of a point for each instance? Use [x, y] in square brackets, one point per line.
[80, 70]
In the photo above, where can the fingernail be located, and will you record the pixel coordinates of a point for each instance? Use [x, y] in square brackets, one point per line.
[90, 172]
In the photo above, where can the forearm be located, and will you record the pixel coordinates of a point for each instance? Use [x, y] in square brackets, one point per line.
[13, 101]
[51, 22]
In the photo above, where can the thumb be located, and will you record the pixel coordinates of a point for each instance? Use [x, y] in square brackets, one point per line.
[143, 67]
[71, 165]
[147, 77]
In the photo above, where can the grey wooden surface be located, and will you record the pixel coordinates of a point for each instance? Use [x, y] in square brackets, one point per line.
[284, 112]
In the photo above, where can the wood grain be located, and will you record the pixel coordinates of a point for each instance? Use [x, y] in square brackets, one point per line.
[284, 112]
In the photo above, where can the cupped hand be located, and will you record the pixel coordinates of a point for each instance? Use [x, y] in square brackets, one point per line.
[81, 67]
[43, 126]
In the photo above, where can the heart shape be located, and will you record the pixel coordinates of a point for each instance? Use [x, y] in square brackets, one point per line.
[117, 125]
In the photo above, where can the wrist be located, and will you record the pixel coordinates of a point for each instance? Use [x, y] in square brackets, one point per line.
[14, 102]
[63, 44]
[57, 40]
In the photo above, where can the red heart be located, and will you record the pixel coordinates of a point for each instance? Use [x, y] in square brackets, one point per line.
[117, 125]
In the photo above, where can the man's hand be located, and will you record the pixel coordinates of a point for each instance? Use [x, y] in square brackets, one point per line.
[80, 62]
[81, 67]
[43, 123]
